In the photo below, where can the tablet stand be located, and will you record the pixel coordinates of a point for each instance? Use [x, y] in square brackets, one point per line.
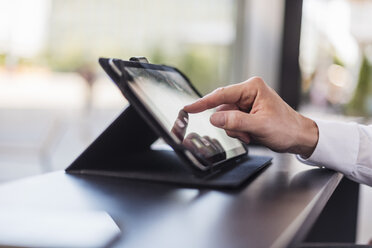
[124, 150]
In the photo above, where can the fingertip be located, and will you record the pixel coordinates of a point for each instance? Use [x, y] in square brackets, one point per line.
[186, 108]
[189, 109]
[195, 107]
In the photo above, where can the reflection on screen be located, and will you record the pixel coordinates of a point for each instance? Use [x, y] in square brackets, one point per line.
[165, 93]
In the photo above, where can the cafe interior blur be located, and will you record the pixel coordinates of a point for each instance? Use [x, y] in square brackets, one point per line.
[55, 99]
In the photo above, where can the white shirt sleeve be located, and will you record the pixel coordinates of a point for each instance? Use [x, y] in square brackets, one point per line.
[344, 147]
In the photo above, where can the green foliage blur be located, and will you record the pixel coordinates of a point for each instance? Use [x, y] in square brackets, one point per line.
[207, 67]
[2, 59]
[360, 103]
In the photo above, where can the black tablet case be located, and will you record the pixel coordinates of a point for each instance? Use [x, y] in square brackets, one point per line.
[123, 150]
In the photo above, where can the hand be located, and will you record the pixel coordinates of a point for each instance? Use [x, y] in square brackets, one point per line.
[252, 110]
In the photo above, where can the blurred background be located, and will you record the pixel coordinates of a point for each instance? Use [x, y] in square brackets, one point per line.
[54, 97]
[55, 100]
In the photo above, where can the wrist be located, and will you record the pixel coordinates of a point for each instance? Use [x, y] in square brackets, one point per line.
[307, 137]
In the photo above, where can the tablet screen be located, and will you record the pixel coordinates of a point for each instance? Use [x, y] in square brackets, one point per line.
[164, 92]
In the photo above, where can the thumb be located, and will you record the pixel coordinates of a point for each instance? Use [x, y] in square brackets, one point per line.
[234, 120]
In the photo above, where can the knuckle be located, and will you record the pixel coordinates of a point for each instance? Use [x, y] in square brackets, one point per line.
[258, 81]
[220, 90]
[221, 93]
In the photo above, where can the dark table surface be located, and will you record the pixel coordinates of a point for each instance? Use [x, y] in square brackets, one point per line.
[275, 209]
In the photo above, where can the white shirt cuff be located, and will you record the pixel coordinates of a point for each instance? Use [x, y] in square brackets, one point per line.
[337, 147]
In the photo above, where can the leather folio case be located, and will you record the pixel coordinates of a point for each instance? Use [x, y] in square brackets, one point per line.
[124, 150]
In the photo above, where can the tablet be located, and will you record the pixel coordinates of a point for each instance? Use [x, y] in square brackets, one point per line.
[159, 93]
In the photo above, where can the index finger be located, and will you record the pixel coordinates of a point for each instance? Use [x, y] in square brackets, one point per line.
[224, 95]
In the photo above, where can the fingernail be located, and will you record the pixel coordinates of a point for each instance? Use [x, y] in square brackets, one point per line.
[218, 119]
